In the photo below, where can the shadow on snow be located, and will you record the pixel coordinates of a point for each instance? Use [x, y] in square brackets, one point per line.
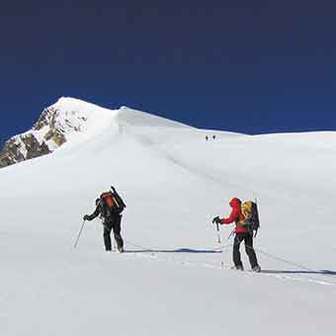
[181, 250]
[204, 251]
[321, 272]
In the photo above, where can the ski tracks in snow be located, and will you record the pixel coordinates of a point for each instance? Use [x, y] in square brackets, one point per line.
[153, 255]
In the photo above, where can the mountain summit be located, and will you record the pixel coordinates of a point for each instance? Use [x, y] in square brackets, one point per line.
[71, 119]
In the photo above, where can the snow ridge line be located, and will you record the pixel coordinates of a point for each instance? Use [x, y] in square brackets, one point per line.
[202, 175]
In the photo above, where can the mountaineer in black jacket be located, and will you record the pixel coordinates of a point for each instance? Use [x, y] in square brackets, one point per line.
[109, 207]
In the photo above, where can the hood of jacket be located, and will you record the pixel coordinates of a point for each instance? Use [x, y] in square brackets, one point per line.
[235, 203]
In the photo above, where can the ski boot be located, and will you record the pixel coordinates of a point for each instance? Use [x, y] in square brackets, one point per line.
[256, 269]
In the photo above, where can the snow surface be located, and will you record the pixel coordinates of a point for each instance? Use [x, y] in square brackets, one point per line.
[172, 280]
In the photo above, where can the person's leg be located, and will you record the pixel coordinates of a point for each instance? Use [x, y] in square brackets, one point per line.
[107, 238]
[236, 253]
[250, 250]
[117, 234]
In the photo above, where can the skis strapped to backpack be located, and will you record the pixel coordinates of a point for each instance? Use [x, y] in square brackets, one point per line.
[249, 210]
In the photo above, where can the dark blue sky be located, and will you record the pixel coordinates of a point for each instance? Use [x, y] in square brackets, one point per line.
[249, 66]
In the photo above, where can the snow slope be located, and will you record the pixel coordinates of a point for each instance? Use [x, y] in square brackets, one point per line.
[174, 278]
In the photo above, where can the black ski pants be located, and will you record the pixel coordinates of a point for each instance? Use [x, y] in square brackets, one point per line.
[113, 223]
[248, 240]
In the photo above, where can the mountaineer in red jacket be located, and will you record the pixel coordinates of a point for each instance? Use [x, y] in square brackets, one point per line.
[241, 234]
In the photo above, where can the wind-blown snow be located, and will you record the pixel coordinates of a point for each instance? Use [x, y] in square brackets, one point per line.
[172, 280]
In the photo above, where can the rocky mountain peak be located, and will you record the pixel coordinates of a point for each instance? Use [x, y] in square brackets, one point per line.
[47, 134]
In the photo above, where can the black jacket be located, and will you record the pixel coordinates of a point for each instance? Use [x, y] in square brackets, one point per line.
[107, 213]
[103, 211]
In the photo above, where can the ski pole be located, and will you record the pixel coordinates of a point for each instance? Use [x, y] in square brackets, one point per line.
[79, 234]
[219, 242]
[218, 234]
[231, 234]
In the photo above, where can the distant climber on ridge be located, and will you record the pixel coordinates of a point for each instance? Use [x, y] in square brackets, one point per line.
[110, 206]
[242, 231]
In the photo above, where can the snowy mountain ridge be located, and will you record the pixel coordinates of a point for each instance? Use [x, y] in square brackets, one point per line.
[72, 120]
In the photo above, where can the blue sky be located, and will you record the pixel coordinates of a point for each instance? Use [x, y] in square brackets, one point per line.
[248, 66]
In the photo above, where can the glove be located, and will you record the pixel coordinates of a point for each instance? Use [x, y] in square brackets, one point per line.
[216, 220]
[86, 217]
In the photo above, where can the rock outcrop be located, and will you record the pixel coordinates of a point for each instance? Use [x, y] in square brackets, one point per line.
[48, 133]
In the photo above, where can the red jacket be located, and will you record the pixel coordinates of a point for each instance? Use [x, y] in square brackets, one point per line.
[235, 216]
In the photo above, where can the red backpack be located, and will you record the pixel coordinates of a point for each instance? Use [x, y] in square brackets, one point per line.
[112, 201]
